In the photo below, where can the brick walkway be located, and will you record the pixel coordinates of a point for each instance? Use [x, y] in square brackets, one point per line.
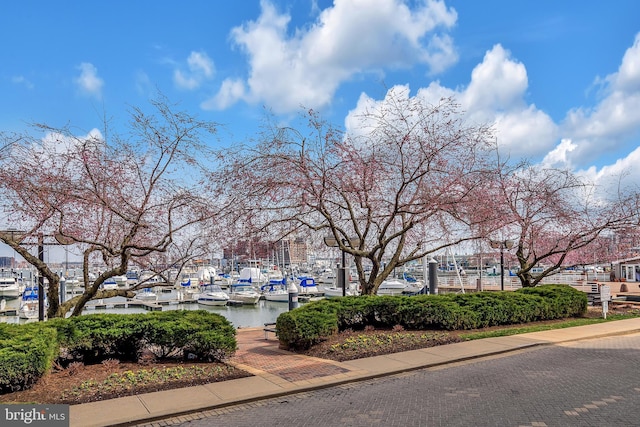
[256, 355]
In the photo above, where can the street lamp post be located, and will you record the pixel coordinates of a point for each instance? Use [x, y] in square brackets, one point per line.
[502, 244]
[342, 277]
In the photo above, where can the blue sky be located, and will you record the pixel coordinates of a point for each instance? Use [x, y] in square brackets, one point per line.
[559, 79]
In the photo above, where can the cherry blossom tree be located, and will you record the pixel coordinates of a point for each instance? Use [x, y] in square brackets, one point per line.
[137, 198]
[556, 218]
[402, 185]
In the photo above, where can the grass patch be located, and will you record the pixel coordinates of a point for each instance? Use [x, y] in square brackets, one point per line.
[569, 323]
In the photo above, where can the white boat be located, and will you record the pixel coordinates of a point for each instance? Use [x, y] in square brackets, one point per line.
[413, 286]
[146, 294]
[205, 274]
[110, 284]
[244, 293]
[29, 304]
[327, 277]
[274, 274]
[120, 282]
[275, 290]
[132, 278]
[253, 276]
[335, 292]
[307, 286]
[149, 277]
[212, 295]
[72, 285]
[391, 287]
[189, 287]
[9, 287]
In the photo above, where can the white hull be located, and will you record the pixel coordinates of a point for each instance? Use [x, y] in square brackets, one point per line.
[213, 296]
[28, 311]
[211, 301]
[9, 288]
[29, 304]
[391, 287]
[308, 290]
[307, 287]
[245, 298]
[277, 296]
[333, 292]
[146, 296]
[10, 292]
[109, 286]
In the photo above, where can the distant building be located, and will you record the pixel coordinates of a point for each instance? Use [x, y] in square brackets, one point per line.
[298, 251]
[7, 262]
[281, 252]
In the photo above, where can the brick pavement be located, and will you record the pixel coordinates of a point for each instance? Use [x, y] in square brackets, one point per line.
[256, 355]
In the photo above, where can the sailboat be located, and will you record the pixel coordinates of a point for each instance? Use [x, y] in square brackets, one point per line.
[29, 304]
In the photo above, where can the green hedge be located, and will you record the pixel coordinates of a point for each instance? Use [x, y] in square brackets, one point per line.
[26, 353]
[314, 322]
[179, 333]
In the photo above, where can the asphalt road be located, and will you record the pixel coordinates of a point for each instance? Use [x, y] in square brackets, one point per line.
[587, 383]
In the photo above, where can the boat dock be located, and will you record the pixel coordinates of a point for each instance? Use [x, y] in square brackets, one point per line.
[147, 305]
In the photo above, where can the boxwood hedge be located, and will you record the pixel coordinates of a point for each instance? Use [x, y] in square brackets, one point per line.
[28, 351]
[314, 322]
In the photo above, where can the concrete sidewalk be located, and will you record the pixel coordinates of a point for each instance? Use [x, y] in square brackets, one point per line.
[277, 372]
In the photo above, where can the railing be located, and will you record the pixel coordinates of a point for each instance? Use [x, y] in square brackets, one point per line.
[585, 283]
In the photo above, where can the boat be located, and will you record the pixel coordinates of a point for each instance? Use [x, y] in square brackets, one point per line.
[391, 287]
[224, 280]
[110, 284]
[9, 287]
[275, 290]
[189, 287]
[148, 276]
[146, 294]
[115, 282]
[132, 278]
[253, 276]
[335, 292]
[206, 274]
[413, 285]
[212, 295]
[29, 304]
[244, 293]
[327, 276]
[307, 286]
[72, 285]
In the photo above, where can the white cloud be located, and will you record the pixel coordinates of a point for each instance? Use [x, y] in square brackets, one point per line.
[23, 81]
[305, 67]
[498, 83]
[88, 82]
[616, 118]
[495, 95]
[200, 68]
[56, 145]
[559, 155]
[616, 177]
[230, 91]
[143, 83]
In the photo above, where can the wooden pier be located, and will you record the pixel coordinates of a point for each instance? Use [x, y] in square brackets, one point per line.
[147, 305]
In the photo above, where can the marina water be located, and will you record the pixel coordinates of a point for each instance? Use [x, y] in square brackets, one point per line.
[241, 316]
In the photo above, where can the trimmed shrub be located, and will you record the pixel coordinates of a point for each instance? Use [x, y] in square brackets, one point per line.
[97, 337]
[26, 353]
[314, 322]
